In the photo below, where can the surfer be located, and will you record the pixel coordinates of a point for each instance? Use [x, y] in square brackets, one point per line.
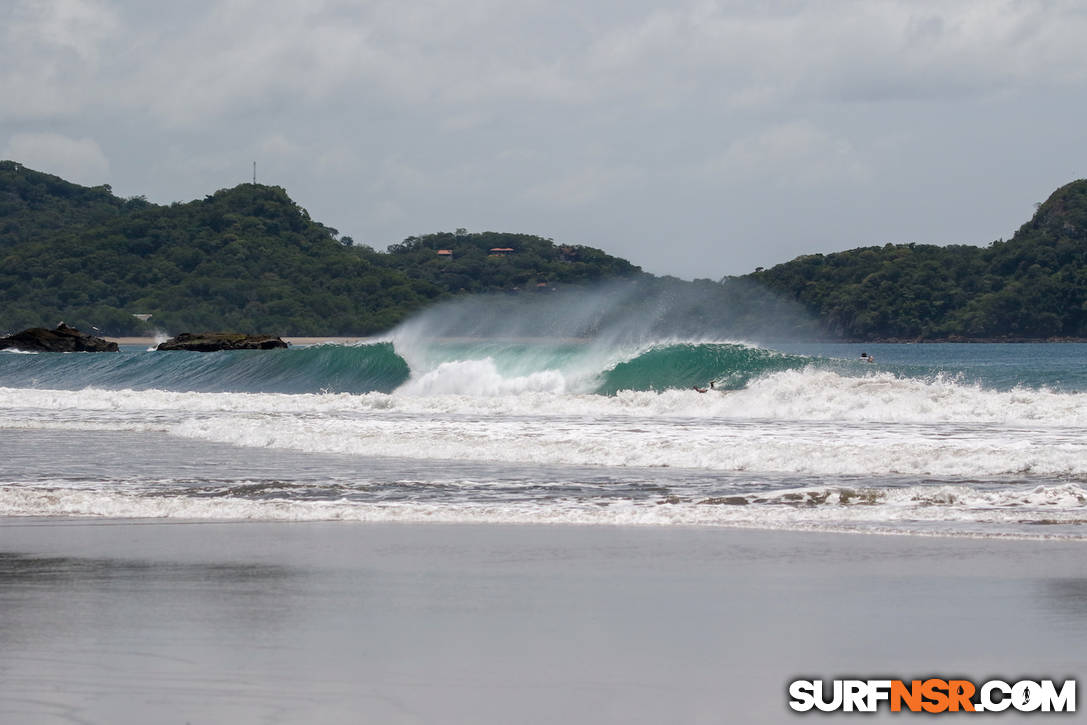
[865, 357]
[703, 390]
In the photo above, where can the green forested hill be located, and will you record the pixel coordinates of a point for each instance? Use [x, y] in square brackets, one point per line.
[245, 259]
[473, 264]
[33, 204]
[249, 259]
[1033, 286]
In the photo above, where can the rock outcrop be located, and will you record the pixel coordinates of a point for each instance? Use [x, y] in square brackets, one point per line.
[62, 339]
[214, 341]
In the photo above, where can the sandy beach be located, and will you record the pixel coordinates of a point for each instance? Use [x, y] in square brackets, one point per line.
[135, 621]
[348, 340]
[149, 341]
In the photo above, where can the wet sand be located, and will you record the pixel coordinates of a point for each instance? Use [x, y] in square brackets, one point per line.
[123, 621]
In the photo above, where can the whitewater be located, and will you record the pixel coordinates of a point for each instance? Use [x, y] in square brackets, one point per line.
[952, 440]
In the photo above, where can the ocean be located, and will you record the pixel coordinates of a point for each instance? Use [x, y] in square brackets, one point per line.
[965, 440]
[439, 527]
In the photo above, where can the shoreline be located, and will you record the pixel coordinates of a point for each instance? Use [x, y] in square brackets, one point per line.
[559, 527]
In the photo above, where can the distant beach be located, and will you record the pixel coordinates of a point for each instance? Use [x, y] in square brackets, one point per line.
[149, 341]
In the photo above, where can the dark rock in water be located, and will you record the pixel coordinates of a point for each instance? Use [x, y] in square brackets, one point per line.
[62, 339]
[212, 341]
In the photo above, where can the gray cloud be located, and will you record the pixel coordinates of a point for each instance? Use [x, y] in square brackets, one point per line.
[79, 160]
[51, 53]
[698, 139]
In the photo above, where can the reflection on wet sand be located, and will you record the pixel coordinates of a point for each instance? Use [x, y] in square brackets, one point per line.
[130, 622]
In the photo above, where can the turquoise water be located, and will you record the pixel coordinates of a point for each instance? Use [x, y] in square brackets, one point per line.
[583, 367]
[1058, 366]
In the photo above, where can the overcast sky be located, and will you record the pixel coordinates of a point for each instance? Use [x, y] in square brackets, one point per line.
[695, 138]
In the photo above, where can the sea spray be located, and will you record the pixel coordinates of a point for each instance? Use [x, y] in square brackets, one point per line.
[618, 335]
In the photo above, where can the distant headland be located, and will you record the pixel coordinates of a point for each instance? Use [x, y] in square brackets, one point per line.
[251, 259]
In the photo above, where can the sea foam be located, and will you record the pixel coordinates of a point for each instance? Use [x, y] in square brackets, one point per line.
[797, 421]
[1053, 511]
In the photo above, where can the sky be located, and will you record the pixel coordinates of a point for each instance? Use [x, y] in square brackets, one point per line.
[695, 138]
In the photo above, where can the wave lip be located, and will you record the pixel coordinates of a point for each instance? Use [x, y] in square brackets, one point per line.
[494, 367]
[365, 368]
[680, 365]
